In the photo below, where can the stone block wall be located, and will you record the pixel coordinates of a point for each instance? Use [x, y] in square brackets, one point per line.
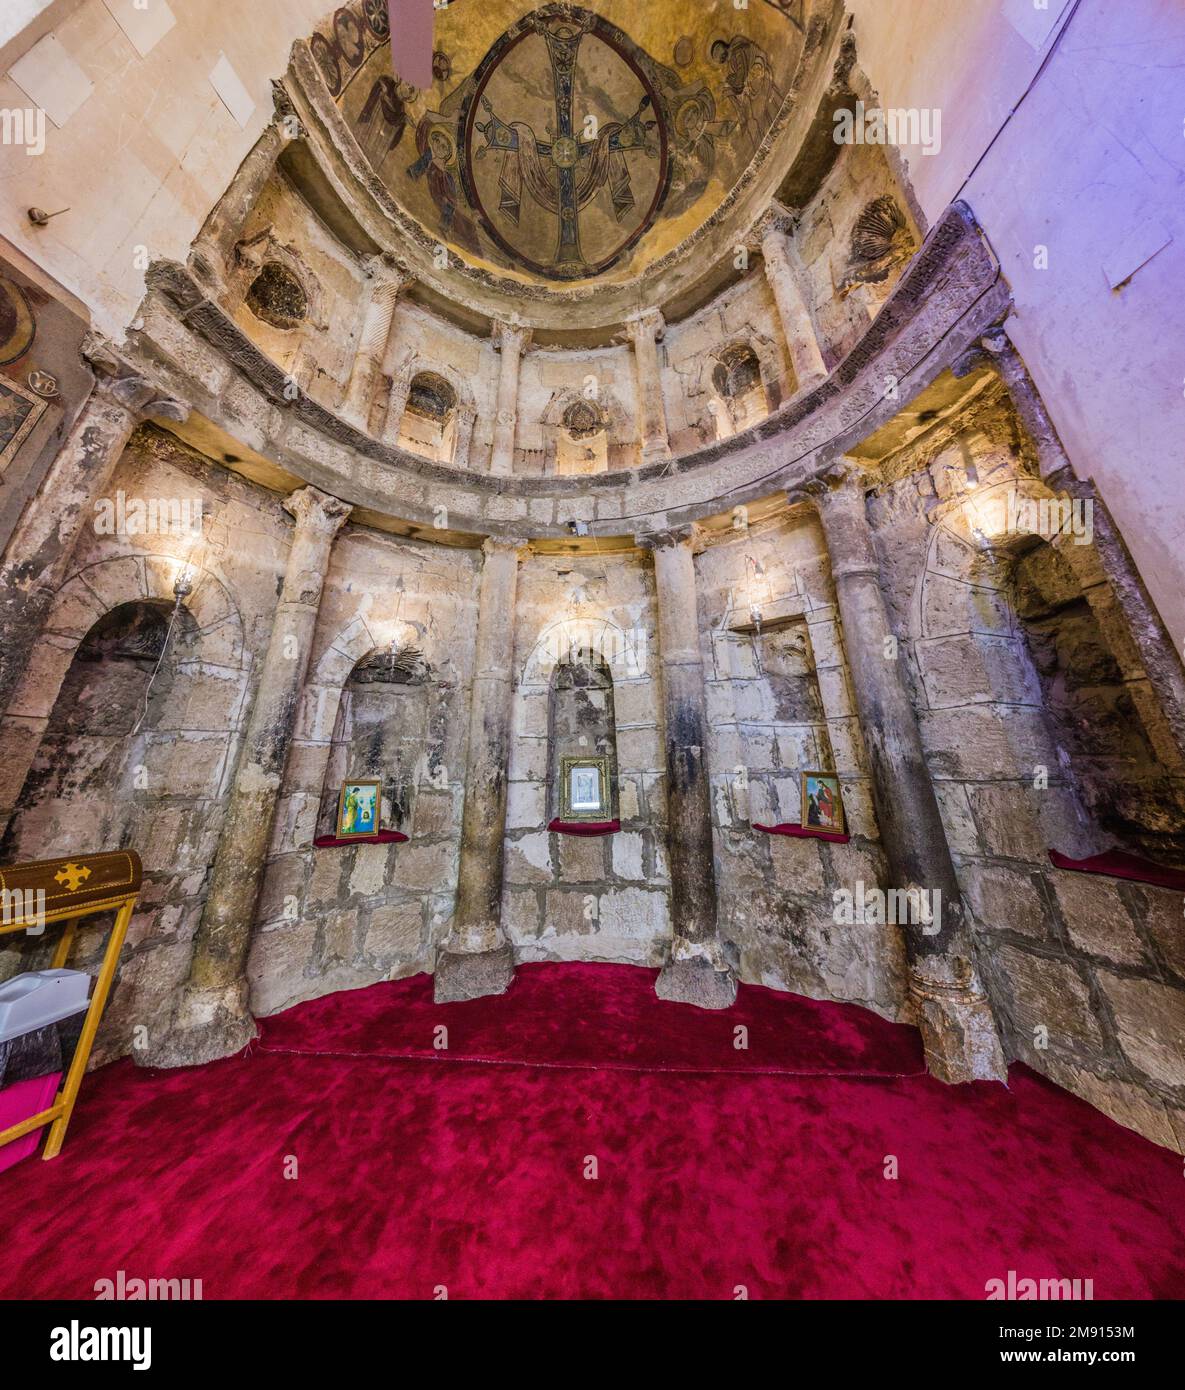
[340, 918]
[567, 897]
[162, 790]
[779, 703]
[1085, 972]
[319, 352]
[841, 311]
[746, 313]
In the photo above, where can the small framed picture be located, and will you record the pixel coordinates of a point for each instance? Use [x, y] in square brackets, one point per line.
[358, 809]
[584, 788]
[822, 805]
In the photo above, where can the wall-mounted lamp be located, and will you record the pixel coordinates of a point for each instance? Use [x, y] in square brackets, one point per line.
[40, 218]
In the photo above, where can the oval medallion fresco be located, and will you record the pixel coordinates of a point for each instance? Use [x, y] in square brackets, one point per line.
[554, 143]
[565, 144]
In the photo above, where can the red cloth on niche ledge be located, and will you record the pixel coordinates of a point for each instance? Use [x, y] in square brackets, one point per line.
[584, 827]
[1118, 864]
[809, 831]
[381, 837]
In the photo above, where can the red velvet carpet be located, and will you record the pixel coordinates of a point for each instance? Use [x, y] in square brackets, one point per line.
[467, 1168]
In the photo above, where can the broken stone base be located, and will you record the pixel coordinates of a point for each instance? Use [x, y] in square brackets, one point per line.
[209, 1024]
[697, 982]
[959, 1036]
[471, 975]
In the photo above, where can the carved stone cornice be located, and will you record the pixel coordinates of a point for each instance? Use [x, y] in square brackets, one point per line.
[127, 385]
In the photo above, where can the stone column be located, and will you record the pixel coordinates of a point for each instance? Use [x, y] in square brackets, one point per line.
[955, 1017]
[211, 257]
[40, 548]
[476, 958]
[387, 282]
[645, 332]
[511, 339]
[213, 1018]
[696, 972]
[797, 328]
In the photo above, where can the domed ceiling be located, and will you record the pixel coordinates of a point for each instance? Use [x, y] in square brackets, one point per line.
[566, 143]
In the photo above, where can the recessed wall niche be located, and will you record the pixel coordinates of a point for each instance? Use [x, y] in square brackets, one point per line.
[581, 722]
[739, 397]
[429, 423]
[277, 297]
[1124, 787]
[385, 730]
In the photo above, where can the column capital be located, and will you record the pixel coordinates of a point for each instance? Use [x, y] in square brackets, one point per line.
[506, 545]
[776, 222]
[315, 510]
[667, 538]
[843, 481]
[648, 326]
[126, 385]
[387, 270]
[284, 115]
[510, 335]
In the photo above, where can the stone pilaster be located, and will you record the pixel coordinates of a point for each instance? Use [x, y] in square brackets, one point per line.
[511, 339]
[798, 330]
[387, 282]
[954, 1014]
[39, 551]
[466, 419]
[645, 332]
[211, 257]
[476, 958]
[213, 1018]
[696, 972]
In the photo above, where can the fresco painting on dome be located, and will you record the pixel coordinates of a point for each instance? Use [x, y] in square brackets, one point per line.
[560, 143]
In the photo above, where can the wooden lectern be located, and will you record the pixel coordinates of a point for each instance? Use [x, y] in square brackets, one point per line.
[73, 888]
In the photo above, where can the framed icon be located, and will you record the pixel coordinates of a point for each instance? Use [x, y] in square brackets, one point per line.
[822, 805]
[358, 808]
[584, 788]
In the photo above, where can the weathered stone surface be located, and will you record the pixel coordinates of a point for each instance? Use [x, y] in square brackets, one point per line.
[1150, 1019]
[471, 976]
[1097, 919]
[1003, 898]
[696, 982]
[1047, 998]
[394, 929]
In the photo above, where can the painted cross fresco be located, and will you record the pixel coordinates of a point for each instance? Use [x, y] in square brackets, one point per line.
[565, 172]
[562, 169]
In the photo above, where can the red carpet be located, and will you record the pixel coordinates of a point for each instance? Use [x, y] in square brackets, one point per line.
[715, 1168]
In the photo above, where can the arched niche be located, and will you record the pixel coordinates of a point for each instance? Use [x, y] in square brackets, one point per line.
[1022, 650]
[582, 442]
[583, 433]
[385, 718]
[94, 755]
[740, 381]
[581, 721]
[429, 424]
